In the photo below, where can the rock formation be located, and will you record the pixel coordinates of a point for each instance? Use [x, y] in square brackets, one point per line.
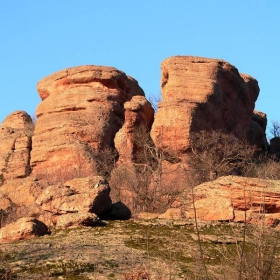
[75, 203]
[80, 195]
[138, 112]
[80, 113]
[256, 133]
[51, 173]
[228, 198]
[15, 138]
[71, 220]
[23, 228]
[18, 198]
[201, 94]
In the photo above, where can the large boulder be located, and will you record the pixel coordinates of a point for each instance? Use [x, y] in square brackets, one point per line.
[201, 94]
[23, 228]
[230, 198]
[72, 220]
[77, 196]
[18, 198]
[15, 138]
[82, 108]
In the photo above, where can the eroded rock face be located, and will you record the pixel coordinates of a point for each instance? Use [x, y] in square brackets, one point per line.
[201, 94]
[18, 196]
[23, 228]
[227, 199]
[80, 195]
[256, 133]
[72, 220]
[15, 139]
[139, 115]
[80, 113]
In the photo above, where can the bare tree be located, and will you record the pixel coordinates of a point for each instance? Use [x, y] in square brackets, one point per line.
[266, 167]
[152, 186]
[214, 154]
[275, 129]
[154, 100]
[105, 160]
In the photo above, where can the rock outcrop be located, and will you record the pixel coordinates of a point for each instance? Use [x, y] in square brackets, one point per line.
[23, 228]
[77, 196]
[80, 113]
[72, 220]
[228, 199]
[256, 134]
[201, 94]
[139, 115]
[15, 145]
[18, 198]
[51, 172]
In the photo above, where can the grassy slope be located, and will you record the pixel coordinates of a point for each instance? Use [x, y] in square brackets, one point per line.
[133, 250]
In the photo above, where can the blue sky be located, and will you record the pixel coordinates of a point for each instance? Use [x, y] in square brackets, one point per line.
[42, 37]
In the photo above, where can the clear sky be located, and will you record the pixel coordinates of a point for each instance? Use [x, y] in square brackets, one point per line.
[38, 38]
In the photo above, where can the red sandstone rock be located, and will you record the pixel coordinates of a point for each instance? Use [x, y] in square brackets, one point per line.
[227, 198]
[86, 109]
[81, 111]
[24, 228]
[15, 139]
[18, 196]
[201, 94]
[256, 133]
[72, 220]
[81, 195]
[138, 111]
[260, 118]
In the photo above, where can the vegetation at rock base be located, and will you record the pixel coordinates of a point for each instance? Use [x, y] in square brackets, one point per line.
[159, 249]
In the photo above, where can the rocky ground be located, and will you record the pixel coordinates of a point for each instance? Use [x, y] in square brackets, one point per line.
[157, 249]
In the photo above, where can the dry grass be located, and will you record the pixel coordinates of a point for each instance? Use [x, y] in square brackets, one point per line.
[133, 249]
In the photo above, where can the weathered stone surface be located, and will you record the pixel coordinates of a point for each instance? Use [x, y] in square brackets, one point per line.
[81, 195]
[227, 198]
[22, 191]
[260, 118]
[5, 202]
[18, 196]
[23, 228]
[139, 114]
[15, 139]
[81, 111]
[72, 220]
[256, 133]
[201, 94]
